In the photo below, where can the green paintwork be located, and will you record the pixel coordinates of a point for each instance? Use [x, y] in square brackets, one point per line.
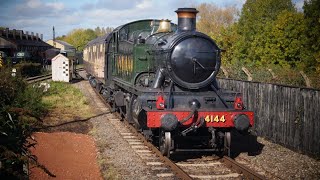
[136, 53]
[124, 44]
[142, 60]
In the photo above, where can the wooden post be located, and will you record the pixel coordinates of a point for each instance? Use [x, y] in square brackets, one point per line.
[306, 79]
[272, 74]
[225, 72]
[245, 70]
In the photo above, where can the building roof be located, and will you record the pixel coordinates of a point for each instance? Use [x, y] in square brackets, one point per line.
[99, 39]
[65, 44]
[30, 43]
[12, 41]
[59, 56]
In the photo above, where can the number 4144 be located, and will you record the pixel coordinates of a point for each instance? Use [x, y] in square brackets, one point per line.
[212, 118]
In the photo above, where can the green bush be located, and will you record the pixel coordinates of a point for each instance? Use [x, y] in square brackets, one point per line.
[27, 69]
[20, 112]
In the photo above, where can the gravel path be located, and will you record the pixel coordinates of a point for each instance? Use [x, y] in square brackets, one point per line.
[116, 158]
[281, 163]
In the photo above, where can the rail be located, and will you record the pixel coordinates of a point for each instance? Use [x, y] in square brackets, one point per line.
[35, 79]
[40, 78]
[180, 173]
[248, 173]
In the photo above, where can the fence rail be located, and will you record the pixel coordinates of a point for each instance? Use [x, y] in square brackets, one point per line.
[286, 115]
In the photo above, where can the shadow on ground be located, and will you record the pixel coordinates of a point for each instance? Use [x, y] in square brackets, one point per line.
[239, 144]
[76, 79]
[77, 125]
[245, 143]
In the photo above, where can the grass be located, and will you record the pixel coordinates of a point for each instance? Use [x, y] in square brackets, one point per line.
[65, 103]
[108, 171]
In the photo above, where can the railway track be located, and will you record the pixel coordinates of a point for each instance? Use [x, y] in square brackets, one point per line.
[45, 77]
[35, 79]
[181, 166]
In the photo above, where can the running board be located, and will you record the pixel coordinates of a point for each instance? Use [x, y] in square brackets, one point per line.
[197, 150]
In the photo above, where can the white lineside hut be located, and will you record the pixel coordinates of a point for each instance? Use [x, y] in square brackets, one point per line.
[61, 68]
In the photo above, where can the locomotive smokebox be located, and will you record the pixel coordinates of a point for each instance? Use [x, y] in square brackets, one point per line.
[186, 19]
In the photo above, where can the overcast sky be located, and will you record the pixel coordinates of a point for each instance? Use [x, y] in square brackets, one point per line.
[40, 15]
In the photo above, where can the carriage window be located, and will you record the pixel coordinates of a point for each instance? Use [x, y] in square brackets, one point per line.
[124, 34]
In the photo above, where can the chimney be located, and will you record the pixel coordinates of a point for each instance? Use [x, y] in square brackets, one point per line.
[14, 33]
[186, 19]
[7, 32]
[37, 36]
[41, 36]
[27, 35]
[32, 34]
[21, 32]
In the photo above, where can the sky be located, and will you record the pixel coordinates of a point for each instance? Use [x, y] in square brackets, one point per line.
[39, 16]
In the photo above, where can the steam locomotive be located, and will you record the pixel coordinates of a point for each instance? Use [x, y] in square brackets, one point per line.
[162, 78]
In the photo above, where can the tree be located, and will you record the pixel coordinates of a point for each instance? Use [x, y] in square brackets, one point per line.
[254, 26]
[229, 37]
[312, 16]
[102, 31]
[61, 37]
[287, 43]
[107, 30]
[212, 20]
[98, 31]
[80, 37]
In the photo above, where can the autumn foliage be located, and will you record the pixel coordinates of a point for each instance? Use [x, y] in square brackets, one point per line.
[264, 35]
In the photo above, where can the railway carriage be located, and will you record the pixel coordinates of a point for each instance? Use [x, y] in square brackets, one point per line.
[162, 78]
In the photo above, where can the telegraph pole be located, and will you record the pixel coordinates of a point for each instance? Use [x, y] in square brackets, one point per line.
[54, 37]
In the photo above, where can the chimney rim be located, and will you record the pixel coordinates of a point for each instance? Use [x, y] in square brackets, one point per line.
[189, 10]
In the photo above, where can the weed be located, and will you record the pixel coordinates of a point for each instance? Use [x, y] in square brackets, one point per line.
[110, 173]
[107, 170]
[65, 103]
[20, 112]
